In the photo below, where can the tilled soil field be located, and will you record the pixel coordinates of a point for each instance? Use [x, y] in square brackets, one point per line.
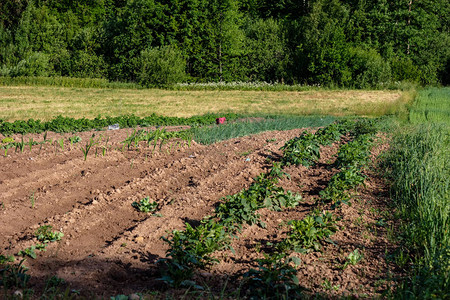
[110, 248]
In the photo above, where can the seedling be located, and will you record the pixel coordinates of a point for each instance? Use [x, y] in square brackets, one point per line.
[88, 147]
[20, 145]
[74, 139]
[45, 234]
[32, 200]
[353, 258]
[30, 143]
[145, 205]
[61, 143]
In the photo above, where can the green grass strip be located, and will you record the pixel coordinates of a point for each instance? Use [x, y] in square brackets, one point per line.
[431, 105]
[419, 171]
[223, 132]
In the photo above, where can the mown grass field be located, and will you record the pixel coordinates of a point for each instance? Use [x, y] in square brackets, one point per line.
[45, 103]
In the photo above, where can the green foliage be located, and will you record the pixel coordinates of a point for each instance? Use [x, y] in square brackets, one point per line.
[303, 150]
[338, 189]
[31, 251]
[65, 124]
[267, 55]
[275, 278]
[74, 139]
[355, 153]
[368, 68]
[344, 43]
[353, 258]
[37, 64]
[144, 205]
[329, 134]
[307, 234]
[45, 234]
[431, 105]
[418, 171]
[160, 66]
[13, 275]
[241, 207]
[192, 248]
[237, 129]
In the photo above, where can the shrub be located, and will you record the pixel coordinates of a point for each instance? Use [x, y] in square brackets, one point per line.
[36, 64]
[369, 69]
[160, 66]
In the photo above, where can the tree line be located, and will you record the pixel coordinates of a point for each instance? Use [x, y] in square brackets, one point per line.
[351, 43]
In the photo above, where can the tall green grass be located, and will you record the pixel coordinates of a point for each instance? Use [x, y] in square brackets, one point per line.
[431, 105]
[418, 165]
[210, 135]
[66, 82]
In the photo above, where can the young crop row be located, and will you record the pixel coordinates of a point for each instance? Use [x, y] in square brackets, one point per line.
[152, 138]
[192, 248]
[64, 124]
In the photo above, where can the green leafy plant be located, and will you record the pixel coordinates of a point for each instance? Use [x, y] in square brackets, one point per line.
[355, 153]
[274, 278]
[303, 150]
[74, 139]
[7, 140]
[45, 234]
[192, 248]
[328, 134]
[338, 189]
[307, 234]
[144, 205]
[353, 258]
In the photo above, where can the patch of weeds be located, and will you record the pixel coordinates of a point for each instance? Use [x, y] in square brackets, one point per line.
[307, 234]
[46, 235]
[144, 205]
[275, 277]
[13, 275]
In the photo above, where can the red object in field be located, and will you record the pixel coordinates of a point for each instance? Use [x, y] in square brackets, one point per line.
[220, 120]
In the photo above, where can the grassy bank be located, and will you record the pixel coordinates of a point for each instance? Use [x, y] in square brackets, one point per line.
[418, 167]
[45, 103]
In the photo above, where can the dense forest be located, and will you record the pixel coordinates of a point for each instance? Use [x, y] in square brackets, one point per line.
[348, 43]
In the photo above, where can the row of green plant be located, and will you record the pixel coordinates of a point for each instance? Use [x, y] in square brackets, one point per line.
[193, 247]
[210, 135]
[352, 158]
[431, 105]
[418, 170]
[66, 124]
[305, 149]
[152, 137]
